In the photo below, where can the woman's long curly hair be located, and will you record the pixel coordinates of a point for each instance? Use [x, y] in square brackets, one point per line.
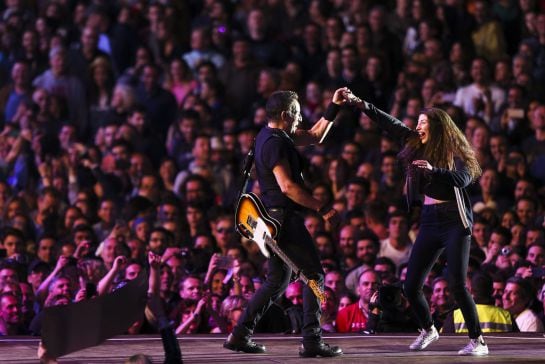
[445, 142]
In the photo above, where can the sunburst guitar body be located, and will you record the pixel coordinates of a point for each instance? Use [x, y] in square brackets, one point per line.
[254, 223]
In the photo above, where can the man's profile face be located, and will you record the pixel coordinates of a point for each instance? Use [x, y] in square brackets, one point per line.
[295, 117]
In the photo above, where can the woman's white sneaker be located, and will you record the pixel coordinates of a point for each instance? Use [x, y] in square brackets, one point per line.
[476, 347]
[425, 338]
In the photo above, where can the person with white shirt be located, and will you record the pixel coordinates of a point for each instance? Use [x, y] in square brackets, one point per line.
[480, 98]
[398, 245]
[516, 299]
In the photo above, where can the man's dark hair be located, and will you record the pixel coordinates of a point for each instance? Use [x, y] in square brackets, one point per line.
[189, 276]
[14, 232]
[503, 232]
[171, 200]
[386, 261]
[526, 287]
[137, 205]
[51, 191]
[168, 235]
[137, 108]
[354, 213]
[278, 102]
[389, 153]
[350, 47]
[398, 213]
[38, 266]
[85, 228]
[188, 114]
[124, 144]
[45, 236]
[528, 199]
[368, 235]
[481, 287]
[376, 211]
[201, 135]
[208, 196]
[360, 181]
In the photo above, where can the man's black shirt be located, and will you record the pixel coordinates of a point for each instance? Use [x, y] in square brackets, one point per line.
[272, 146]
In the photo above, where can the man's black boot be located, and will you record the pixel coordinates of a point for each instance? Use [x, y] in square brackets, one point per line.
[244, 345]
[319, 349]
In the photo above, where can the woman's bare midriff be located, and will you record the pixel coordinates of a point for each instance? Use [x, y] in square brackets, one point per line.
[432, 201]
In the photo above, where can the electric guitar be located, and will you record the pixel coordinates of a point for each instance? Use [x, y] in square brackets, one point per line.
[253, 222]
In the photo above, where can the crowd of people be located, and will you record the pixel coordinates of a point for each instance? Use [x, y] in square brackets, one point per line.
[125, 125]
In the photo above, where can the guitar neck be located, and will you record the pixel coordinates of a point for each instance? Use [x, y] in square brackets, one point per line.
[318, 292]
[271, 244]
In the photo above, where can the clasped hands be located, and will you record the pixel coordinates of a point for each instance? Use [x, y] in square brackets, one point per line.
[344, 96]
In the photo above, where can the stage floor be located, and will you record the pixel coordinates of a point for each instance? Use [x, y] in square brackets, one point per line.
[508, 348]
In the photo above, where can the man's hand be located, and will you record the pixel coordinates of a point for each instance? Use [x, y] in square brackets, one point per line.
[82, 249]
[154, 260]
[61, 263]
[170, 252]
[201, 304]
[81, 295]
[119, 263]
[340, 96]
[214, 261]
[374, 305]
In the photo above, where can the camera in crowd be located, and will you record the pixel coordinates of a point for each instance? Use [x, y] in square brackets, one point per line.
[390, 297]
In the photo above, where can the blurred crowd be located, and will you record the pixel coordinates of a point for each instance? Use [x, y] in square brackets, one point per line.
[125, 124]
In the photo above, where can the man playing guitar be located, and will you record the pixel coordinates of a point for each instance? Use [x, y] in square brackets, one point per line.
[278, 166]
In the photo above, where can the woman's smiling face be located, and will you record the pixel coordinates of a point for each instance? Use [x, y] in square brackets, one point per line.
[423, 128]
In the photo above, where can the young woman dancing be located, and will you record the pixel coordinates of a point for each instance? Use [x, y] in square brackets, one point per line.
[440, 165]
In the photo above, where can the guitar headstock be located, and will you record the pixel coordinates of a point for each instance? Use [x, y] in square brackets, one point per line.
[318, 292]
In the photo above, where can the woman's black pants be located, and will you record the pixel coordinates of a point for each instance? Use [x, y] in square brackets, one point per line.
[441, 230]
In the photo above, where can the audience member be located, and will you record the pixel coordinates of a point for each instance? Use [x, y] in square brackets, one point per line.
[103, 109]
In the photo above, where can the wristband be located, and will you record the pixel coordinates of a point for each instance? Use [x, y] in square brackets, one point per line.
[331, 111]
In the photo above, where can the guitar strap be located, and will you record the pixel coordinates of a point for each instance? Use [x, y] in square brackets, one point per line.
[247, 169]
